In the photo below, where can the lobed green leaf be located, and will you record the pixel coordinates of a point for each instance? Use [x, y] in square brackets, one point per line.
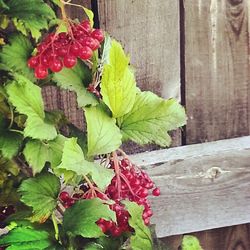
[26, 238]
[74, 80]
[40, 193]
[37, 153]
[103, 134]
[73, 160]
[81, 218]
[15, 55]
[118, 87]
[151, 118]
[27, 99]
[142, 237]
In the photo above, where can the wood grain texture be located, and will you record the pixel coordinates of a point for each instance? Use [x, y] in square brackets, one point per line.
[227, 238]
[149, 31]
[206, 189]
[217, 69]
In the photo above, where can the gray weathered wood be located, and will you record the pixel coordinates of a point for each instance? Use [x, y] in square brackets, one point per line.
[149, 31]
[203, 186]
[217, 69]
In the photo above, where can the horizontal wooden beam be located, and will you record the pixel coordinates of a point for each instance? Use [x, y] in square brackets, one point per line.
[203, 186]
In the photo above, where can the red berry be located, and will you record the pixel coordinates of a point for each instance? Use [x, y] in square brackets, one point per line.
[41, 47]
[85, 53]
[156, 192]
[90, 42]
[85, 25]
[41, 72]
[55, 65]
[33, 62]
[64, 196]
[75, 49]
[45, 60]
[62, 51]
[98, 35]
[69, 61]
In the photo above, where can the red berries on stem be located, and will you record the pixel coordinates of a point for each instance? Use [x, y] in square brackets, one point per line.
[129, 183]
[62, 50]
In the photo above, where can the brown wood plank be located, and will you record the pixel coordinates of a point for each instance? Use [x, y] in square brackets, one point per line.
[227, 238]
[203, 186]
[149, 31]
[217, 69]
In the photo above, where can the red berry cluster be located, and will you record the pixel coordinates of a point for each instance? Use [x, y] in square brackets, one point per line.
[129, 183]
[122, 216]
[60, 50]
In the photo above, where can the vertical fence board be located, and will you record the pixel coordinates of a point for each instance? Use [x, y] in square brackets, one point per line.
[217, 69]
[227, 238]
[149, 31]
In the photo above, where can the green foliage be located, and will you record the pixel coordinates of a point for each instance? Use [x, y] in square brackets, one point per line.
[29, 16]
[142, 236]
[26, 238]
[10, 143]
[9, 180]
[40, 193]
[74, 80]
[81, 218]
[73, 160]
[151, 118]
[103, 134]
[37, 153]
[27, 99]
[190, 242]
[118, 86]
[15, 55]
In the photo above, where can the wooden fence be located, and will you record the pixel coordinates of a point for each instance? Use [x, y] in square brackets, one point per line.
[198, 52]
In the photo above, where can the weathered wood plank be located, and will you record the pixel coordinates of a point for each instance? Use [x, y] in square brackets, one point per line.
[227, 238]
[203, 186]
[217, 69]
[149, 31]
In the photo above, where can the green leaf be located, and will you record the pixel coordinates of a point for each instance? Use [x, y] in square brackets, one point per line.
[106, 50]
[90, 15]
[118, 86]
[26, 238]
[103, 134]
[16, 54]
[30, 15]
[40, 193]
[3, 5]
[27, 99]
[190, 242]
[37, 153]
[73, 160]
[74, 80]
[93, 246]
[142, 237]
[10, 143]
[151, 118]
[4, 21]
[81, 218]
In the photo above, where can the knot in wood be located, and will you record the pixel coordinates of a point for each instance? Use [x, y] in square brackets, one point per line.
[235, 2]
[213, 173]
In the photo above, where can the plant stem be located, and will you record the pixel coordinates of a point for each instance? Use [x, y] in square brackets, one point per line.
[63, 11]
[117, 172]
[53, 217]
